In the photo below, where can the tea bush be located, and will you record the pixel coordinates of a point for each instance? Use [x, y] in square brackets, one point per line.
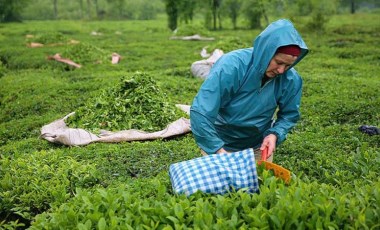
[33, 183]
[335, 183]
[3, 69]
[300, 205]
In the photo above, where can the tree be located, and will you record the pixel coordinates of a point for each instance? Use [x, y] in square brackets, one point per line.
[98, 12]
[117, 5]
[171, 7]
[89, 9]
[263, 11]
[215, 9]
[352, 6]
[186, 10]
[148, 9]
[321, 10]
[10, 10]
[55, 7]
[253, 12]
[81, 8]
[232, 7]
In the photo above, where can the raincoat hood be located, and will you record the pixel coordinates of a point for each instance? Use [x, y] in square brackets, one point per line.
[279, 33]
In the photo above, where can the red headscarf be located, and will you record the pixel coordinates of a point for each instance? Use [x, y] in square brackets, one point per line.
[290, 49]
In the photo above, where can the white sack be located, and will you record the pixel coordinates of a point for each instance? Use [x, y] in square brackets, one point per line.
[202, 68]
[58, 132]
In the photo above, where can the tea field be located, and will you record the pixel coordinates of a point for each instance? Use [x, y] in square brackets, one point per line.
[336, 168]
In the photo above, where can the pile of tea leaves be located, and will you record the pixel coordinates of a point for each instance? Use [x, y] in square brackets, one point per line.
[85, 53]
[191, 29]
[228, 44]
[134, 103]
[48, 38]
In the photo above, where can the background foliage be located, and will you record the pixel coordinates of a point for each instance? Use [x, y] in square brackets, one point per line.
[216, 13]
[126, 186]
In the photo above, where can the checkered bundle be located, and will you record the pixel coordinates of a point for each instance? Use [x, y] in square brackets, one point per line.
[216, 173]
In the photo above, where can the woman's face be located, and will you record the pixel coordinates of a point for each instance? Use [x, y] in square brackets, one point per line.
[279, 64]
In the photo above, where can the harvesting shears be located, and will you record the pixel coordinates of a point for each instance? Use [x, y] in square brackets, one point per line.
[277, 169]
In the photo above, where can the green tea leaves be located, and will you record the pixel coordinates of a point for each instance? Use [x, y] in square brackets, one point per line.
[134, 103]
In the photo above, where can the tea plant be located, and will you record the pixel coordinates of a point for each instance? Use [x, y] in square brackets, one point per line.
[35, 182]
[300, 205]
[335, 169]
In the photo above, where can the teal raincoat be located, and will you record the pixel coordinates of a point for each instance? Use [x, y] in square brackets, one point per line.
[232, 110]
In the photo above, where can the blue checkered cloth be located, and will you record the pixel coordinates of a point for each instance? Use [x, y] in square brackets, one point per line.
[216, 173]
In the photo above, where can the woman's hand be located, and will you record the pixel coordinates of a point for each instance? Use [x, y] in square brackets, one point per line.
[221, 150]
[270, 143]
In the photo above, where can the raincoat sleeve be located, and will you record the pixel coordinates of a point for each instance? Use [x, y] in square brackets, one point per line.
[289, 112]
[215, 92]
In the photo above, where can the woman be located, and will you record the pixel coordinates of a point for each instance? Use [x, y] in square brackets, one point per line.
[251, 97]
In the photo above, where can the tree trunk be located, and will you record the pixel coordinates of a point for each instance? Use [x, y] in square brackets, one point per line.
[264, 13]
[89, 9]
[55, 7]
[352, 6]
[96, 8]
[81, 8]
[255, 21]
[234, 22]
[215, 5]
[220, 20]
[214, 17]
[172, 12]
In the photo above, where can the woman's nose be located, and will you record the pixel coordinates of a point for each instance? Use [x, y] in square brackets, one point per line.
[281, 69]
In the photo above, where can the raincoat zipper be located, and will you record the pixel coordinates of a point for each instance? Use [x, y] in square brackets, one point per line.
[266, 83]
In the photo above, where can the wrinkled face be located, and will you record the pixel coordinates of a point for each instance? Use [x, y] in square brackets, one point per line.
[279, 64]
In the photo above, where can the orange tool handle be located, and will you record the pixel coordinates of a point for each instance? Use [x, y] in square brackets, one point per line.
[264, 154]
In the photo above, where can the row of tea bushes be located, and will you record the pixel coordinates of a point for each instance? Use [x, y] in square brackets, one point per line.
[302, 205]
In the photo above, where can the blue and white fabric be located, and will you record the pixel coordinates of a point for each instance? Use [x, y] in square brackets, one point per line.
[216, 173]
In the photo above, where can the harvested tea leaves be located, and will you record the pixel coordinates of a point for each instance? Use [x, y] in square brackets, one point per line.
[48, 38]
[134, 103]
[228, 44]
[84, 53]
